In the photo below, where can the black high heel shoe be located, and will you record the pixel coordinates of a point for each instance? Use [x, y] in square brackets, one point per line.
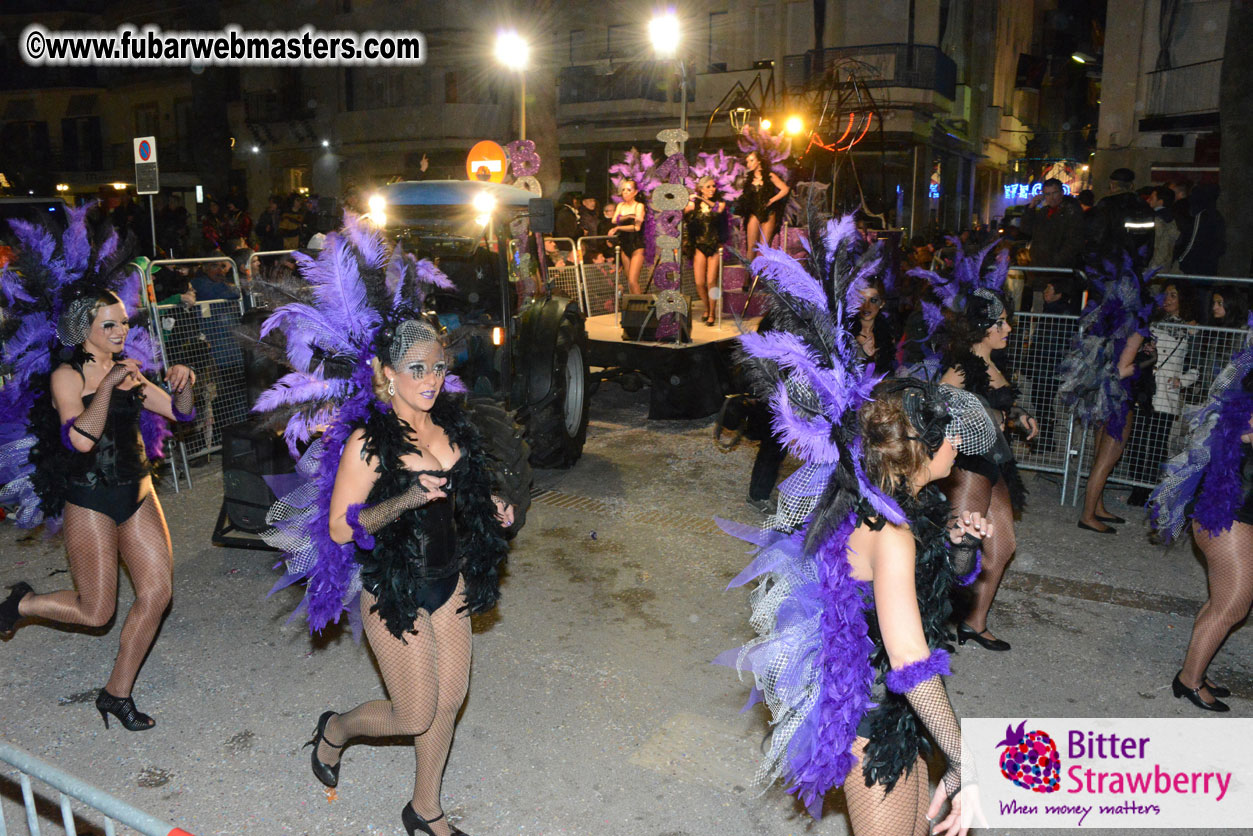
[123, 708]
[1216, 690]
[9, 616]
[327, 774]
[1110, 519]
[965, 634]
[1194, 696]
[414, 823]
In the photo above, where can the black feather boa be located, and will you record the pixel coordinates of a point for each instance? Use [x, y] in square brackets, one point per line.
[393, 569]
[895, 738]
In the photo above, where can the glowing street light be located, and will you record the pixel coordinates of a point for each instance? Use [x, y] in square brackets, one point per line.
[765, 124]
[663, 31]
[794, 125]
[514, 53]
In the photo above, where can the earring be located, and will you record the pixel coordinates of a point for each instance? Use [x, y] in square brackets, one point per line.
[391, 386]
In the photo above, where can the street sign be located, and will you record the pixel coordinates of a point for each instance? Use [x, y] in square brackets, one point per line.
[487, 162]
[147, 180]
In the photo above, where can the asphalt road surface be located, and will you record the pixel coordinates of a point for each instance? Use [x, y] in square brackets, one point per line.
[593, 705]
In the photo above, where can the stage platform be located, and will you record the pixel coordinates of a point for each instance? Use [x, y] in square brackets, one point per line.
[686, 380]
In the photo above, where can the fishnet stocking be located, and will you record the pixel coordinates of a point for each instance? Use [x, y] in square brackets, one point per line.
[969, 492]
[92, 544]
[901, 812]
[1229, 559]
[1108, 452]
[427, 677]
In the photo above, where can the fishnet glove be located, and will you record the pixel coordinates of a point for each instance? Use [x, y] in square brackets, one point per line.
[366, 520]
[929, 700]
[962, 556]
[91, 421]
[183, 403]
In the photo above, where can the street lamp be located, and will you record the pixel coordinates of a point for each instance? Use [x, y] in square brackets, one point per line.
[663, 31]
[513, 52]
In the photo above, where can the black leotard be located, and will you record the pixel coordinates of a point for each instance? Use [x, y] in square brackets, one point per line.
[705, 228]
[978, 381]
[753, 202]
[628, 240]
[110, 477]
[417, 559]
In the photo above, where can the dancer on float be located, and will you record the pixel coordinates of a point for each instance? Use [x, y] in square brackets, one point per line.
[764, 201]
[1101, 373]
[1210, 484]
[78, 433]
[706, 232]
[857, 566]
[986, 484]
[398, 522]
[627, 227]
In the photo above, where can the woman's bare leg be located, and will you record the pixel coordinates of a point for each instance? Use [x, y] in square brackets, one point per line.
[634, 269]
[1229, 564]
[1108, 452]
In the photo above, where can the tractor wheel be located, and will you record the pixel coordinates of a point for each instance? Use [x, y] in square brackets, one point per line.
[557, 425]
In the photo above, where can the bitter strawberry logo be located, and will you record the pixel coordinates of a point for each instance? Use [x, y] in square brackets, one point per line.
[1030, 759]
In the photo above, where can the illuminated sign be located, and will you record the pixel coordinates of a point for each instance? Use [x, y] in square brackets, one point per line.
[933, 191]
[1024, 191]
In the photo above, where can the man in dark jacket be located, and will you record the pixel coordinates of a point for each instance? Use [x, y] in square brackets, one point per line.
[1049, 344]
[1055, 223]
[1124, 221]
[566, 223]
[1203, 237]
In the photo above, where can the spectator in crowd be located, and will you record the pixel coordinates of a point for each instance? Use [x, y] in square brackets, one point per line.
[1123, 221]
[1087, 202]
[1174, 370]
[1227, 308]
[212, 282]
[212, 228]
[1049, 343]
[566, 223]
[172, 234]
[589, 215]
[290, 222]
[238, 223]
[308, 219]
[1203, 236]
[268, 232]
[875, 329]
[1054, 222]
[1165, 230]
[1183, 203]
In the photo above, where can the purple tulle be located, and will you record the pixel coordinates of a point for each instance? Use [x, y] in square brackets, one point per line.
[903, 680]
[363, 538]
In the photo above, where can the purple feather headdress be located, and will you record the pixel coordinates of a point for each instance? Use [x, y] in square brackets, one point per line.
[772, 150]
[724, 168]
[45, 275]
[360, 293]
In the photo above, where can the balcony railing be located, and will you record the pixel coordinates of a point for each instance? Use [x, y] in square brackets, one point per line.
[654, 81]
[1184, 91]
[887, 65]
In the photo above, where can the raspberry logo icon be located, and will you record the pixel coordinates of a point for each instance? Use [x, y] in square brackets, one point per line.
[1030, 759]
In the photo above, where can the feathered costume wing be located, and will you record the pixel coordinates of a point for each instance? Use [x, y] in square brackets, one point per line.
[724, 168]
[811, 664]
[772, 150]
[1208, 470]
[1090, 386]
[47, 272]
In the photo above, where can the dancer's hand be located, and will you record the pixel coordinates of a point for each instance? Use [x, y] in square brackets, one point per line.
[972, 523]
[504, 512]
[179, 377]
[951, 825]
[428, 489]
[121, 370]
[1029, 426]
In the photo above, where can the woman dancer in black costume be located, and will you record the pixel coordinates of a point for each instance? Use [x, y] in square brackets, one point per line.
[988, 485]
[110, 504]
[414, 493]
[762, 204]
[627, 223]
[706, 222]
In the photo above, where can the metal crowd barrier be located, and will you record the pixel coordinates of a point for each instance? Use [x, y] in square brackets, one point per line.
[564, 278]
[1189, 357]
[202, 335]
[114, 810]
[600, 281]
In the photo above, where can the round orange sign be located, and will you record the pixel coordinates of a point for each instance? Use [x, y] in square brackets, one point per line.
[487, 162]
